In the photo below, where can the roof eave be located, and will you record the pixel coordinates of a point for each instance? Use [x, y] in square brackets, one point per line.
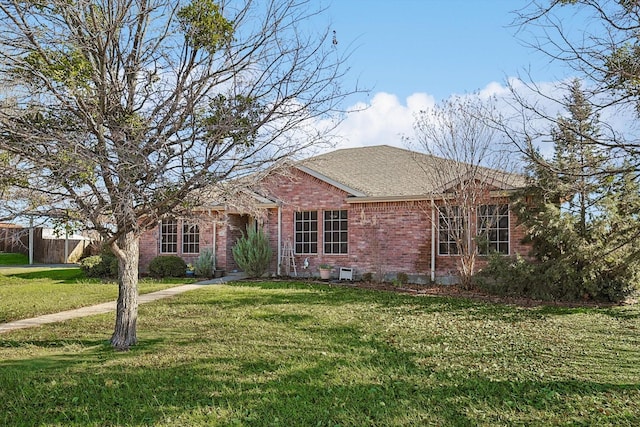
[229, 209]
[419, 197]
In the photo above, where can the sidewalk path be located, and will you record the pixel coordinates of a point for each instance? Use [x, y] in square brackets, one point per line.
[109, 306]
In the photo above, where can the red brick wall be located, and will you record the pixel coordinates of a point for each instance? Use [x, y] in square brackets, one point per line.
[384, 238]
[301, 192]
[150, 246]
[390, 238]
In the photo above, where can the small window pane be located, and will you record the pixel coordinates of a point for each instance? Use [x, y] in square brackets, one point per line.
[336, 232]
[451, 230]
[190, 238]
[493, 229]
[306, 234]
[169, 236]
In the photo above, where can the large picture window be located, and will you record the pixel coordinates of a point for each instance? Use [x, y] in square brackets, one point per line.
[493, 229]
[190, 238]
[169, 236]
[306, 233]
[450, 230]
[335, 232]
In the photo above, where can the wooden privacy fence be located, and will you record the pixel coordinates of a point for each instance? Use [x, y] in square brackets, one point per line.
[48, 248]
[11, 238]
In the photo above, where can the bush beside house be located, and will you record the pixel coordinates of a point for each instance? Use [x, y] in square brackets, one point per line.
[167, 266]
[101, 266]
[252, 252]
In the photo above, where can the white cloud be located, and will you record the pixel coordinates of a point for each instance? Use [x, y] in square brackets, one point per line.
[493, 89]
[386, 119]
[382, 121]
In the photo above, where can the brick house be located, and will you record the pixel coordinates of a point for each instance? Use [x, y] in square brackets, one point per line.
[370, 209]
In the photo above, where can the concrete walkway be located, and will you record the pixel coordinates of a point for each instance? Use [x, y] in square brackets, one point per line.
[110, 306]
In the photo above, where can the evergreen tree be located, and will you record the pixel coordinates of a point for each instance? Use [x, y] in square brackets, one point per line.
[581, 219]
[579, 163]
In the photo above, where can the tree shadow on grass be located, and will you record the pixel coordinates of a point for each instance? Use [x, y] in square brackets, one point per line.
[64, 275]
[319, 294]
[381, 386]
[48, 344]
[313, 293]
[76, 390]
[327, 374]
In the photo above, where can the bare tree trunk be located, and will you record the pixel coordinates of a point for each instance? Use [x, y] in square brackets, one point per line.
[127, 251]
[467, 270]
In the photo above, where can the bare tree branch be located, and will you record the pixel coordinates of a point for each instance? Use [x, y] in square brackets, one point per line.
[122, 111]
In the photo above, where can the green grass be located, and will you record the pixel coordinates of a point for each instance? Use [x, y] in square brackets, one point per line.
[35, 291]
[13, 259]
[278, 354]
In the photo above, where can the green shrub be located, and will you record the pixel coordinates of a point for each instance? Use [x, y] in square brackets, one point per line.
[103, 266]
[167, 266]
[507, 276]
[203, 265]
[605, 279]
[252, 252]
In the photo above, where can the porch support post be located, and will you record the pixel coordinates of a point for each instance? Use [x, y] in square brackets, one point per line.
[213, 243]
[279, 238]
[433, 240]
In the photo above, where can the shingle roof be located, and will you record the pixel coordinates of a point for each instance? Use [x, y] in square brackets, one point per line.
[385, 171]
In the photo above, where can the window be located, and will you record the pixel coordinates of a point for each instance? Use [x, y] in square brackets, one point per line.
[190, 238]
[493, 229]
[169, 236]
[335, 232]
[170, 239]
[450, 230]
[306, 234]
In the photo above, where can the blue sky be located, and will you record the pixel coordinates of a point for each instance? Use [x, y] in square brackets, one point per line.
[435, 46]
[413, 53]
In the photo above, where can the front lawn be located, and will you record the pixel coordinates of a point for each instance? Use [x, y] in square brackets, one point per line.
[30, 292]
[289, 354]
[8, 258]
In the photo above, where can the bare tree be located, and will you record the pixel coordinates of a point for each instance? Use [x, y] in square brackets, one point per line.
[598, 41]
[467, 163]
[120, 111]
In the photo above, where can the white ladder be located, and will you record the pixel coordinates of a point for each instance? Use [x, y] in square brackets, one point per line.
[288, 260]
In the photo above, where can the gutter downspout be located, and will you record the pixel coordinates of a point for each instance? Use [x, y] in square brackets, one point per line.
[279, 238]
[213, 243]
[433, 241]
